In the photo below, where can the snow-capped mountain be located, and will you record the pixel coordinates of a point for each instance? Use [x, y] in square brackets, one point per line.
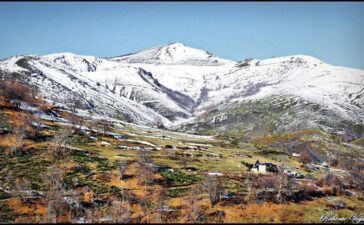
[172, 54]
[177, 85]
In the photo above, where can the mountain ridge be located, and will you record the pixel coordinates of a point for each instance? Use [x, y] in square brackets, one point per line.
[173, 83]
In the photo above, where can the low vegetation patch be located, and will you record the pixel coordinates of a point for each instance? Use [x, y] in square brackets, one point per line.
[178, 178]
[177, 192]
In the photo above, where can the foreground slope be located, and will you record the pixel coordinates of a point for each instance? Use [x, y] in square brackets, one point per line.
[62, 170]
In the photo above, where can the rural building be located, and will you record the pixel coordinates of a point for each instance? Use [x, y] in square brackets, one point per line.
[264, 167]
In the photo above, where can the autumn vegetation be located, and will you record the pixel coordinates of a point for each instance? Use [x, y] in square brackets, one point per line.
[62, 173]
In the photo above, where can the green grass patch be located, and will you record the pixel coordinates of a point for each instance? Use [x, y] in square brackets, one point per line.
[176, 178]
[359, 141]
[7, 215]
[177, 192]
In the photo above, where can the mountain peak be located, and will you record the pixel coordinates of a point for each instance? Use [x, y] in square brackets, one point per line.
[300, 59]
[73, 62]
[172, 54]
[176, 44]
[66, 55]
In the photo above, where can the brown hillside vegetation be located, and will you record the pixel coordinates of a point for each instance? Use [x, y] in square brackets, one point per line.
[82, 170]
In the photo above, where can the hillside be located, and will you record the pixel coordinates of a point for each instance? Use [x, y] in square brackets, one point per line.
[174, 134]
[180, 87]
[59, 167]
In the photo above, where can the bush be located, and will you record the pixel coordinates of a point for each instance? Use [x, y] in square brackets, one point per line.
[334, 162]
[15, 92]
[248, 165]
[4, 125]
[214, 188]
[4, 195]
[177, 192]
[7, 214]
[332, 181]
[305, 158]
[311, 190]
[234, 142]
[45, 107]
[178, 177]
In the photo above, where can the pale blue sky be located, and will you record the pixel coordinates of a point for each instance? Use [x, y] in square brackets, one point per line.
[330, 31]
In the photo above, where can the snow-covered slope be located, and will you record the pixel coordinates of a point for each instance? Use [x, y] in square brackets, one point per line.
[338, 88]
[172, 54]
[175, 83]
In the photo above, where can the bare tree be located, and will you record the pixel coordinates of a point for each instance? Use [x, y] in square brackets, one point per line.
[23, 130]
[19, 136]
[104, 126]
[251, 190]
[145, 177]
[77, 122]
[57, 207]
[215, 188]
[58, 147]
[94, 215]
[143, 157]
[14, 92]
[38, 128]
[122, 168]
[22, 186]
[119, 211]
[282, 180]
[357, 175]
[145, 174]
[159, 205]
[3, 122]
[193, 212]
[74, 203]
[333, 162]
[332, 181]
[184, 160]
[305, 157]
[282, 186]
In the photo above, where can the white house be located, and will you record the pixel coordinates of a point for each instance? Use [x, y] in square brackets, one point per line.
[262, 168]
